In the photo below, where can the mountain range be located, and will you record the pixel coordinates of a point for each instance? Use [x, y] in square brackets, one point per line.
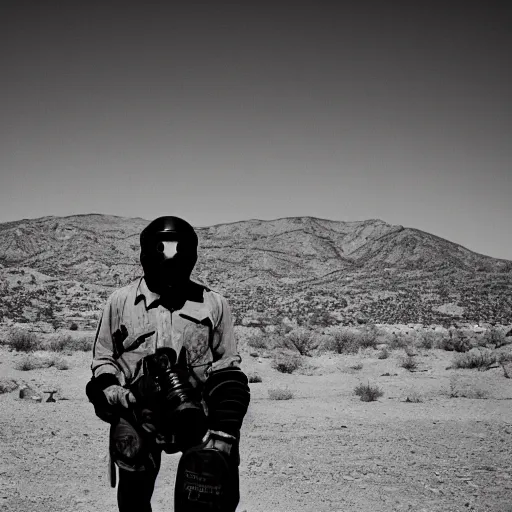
[309, 270]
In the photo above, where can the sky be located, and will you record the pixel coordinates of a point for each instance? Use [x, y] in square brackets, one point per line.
[221, 111]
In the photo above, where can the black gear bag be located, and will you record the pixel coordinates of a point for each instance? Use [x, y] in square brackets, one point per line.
[206, 481]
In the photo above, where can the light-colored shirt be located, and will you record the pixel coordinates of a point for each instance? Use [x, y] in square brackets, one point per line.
[202, 324]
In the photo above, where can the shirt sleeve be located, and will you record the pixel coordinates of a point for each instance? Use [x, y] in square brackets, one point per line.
[103, 360]
[224, 347]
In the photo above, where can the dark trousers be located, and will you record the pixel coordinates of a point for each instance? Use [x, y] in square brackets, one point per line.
[135, 488]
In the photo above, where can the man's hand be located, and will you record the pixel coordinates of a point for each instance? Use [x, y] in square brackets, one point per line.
[117, 395]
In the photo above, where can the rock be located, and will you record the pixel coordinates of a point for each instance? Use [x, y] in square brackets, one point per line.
[27, 393]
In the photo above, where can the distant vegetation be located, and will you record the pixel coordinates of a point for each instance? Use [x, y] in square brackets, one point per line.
[21, 340]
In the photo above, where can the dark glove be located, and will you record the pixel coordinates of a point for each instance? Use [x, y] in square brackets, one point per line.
[103, 407]
[117, 395]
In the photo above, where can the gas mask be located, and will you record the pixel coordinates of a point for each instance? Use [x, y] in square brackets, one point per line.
[168, 253]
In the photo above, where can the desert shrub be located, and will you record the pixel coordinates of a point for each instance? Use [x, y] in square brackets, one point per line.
[414, 398]
[61, 365]
[427, 340]
[257, 340]
[460, 390]
[23, 341]
[495, 337]
[480, 359]
[278, 341]
[505, 358]
[368, 336]
[367, 392]
[409, 363]
[280, 394]
[73, 327]
[7, 385]
[397, 341]
[383, 354]
[57, 343]
[323, 342]
[30, 362]
[302, 340]
[410, 351]
[344, 341]
[254, 378]
[286, 362]
[83, 344]
[457, 342]
[33, 362]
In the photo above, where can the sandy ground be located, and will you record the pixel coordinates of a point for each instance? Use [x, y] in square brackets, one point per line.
[322, 451]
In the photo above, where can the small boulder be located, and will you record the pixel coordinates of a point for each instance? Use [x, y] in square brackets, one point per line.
[27, 393]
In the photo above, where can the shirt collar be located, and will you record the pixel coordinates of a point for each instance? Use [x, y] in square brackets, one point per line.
[144, 292]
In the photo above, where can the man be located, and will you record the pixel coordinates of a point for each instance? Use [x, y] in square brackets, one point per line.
[166, 376]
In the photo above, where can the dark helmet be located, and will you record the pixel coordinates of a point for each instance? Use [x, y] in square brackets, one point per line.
[160, 269]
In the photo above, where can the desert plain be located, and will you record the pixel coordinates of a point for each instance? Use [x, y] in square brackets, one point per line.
[439, 438]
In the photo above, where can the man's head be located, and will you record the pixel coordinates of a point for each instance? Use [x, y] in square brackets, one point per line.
[168, 253]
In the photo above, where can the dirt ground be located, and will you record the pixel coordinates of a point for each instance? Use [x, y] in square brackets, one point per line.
[324, 450]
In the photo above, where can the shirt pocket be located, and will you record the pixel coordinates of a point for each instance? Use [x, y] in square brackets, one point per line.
[135, 351]
[196, 335]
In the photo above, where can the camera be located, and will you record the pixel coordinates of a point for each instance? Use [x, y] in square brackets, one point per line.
[171, 408]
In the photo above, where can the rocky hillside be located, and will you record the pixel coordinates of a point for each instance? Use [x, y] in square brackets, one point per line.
[60, 269]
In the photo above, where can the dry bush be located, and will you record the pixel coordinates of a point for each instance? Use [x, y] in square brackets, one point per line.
[427, 340]
[257, 340]
[254, 378]
[33, 362]
[61, 365]
[280, 394]
[496, 337]
[7, 385]
[505, 361]
[383, 354]
[286, 362]
[278, 341]
[30, 362]
[57, 343]
[414, 397]
[505, 358]
[23, 341]
[458, 390]
[481, 359]
[457, 342]
[83, 344]
[303, 340]
[368, 336]
[410, 351]
[409, 363]
[367, 392]
[397, 341]
[344, 341]
[323, 343]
